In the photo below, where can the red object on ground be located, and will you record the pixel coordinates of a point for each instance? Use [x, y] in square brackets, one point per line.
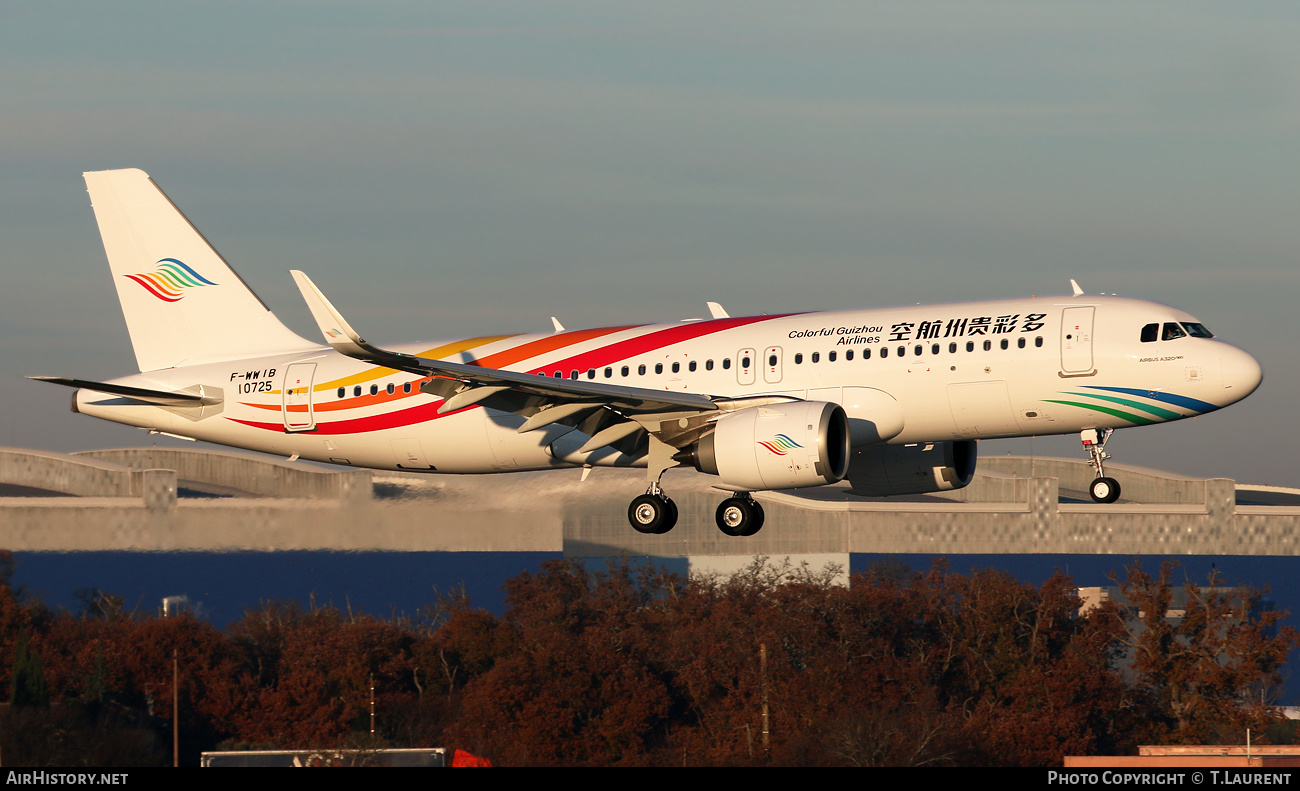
[462, 758]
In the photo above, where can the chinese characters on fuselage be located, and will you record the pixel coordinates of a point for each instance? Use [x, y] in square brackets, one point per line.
[929, 330]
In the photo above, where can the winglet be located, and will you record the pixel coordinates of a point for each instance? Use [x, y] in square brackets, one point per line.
[338, 333]
[1078, 292]
[716, 311]
[558, 326]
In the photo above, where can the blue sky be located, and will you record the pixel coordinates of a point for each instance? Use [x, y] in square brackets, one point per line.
[444, 169]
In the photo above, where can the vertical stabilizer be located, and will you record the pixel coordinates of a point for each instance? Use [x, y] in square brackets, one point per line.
[183, 303]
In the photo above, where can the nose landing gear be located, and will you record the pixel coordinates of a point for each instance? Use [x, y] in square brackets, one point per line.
[1102, 489]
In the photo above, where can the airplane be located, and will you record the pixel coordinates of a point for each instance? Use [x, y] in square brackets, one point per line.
[893, 400]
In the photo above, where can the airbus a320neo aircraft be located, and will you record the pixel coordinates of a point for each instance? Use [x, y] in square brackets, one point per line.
[892, 399]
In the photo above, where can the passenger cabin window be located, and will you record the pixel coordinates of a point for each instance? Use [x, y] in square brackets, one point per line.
[406, 387]
[640, 370]
[591, 373]
[677, 368]
[1038, 341]
[1005, 343]
[609, 372]
[1020, 342]
[343, 391]
[356, 391]
[726, 364]
[884, 352]
[691, 366]
[1150, 332]
[866, 354]
[659, 368]
[624, 371]
[708, 365]
[830, 357]
[374, 390]
[816, 357]
[848, 355]
[798, 359]
[970, 346]
[1172, 330]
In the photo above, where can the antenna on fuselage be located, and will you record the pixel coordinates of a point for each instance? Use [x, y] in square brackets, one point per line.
[1078, 292]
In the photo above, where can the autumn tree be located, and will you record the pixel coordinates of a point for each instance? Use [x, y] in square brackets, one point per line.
[575, 685]
[1208, 660]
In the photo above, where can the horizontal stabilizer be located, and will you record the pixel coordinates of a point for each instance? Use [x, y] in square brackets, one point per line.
[156, 397]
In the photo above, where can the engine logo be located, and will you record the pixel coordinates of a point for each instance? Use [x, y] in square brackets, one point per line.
[169, 279]
[780, 444]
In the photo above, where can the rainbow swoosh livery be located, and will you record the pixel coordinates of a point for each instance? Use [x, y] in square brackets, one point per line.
[780, 444]
[170, 279]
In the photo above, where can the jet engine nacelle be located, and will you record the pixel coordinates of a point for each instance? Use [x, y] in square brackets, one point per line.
[883, 470]
[781, 446]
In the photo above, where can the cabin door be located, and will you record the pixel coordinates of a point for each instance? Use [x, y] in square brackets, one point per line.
[296, 406]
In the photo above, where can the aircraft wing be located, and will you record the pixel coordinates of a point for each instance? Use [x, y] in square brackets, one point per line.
[542, 398]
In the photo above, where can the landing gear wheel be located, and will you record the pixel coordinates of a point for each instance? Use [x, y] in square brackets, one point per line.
[1104, 490]
[739, 516]
[652, 514]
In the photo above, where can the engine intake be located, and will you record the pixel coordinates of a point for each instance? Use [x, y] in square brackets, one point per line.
[883, 470]
[780, 446]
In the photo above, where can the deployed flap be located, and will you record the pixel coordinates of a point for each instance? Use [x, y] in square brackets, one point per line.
[183, 303]
[340, 335]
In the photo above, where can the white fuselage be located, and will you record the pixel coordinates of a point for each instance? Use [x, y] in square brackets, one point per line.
[951, 372]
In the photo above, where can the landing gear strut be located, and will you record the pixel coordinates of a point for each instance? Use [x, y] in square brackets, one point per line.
[1102, 489]
[652, 513]
[740, 515]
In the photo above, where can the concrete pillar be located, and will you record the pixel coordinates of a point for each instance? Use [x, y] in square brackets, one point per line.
[1044, 511]
[158, 487]
[1221, 513]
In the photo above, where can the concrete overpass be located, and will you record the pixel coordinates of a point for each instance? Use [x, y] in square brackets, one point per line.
[196, 500]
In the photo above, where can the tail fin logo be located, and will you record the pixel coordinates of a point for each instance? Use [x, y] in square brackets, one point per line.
[169, 281]
[780, 444]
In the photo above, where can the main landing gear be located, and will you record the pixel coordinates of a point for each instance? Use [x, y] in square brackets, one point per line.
[740, 515]
[654, 514]
[1102, 489]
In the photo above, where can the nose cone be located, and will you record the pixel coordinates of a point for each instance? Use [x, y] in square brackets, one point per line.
[1241, 374]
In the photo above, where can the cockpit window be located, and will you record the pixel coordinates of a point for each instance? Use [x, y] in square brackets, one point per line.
[1197, 330]
[1150, 333]
[1172, 330]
